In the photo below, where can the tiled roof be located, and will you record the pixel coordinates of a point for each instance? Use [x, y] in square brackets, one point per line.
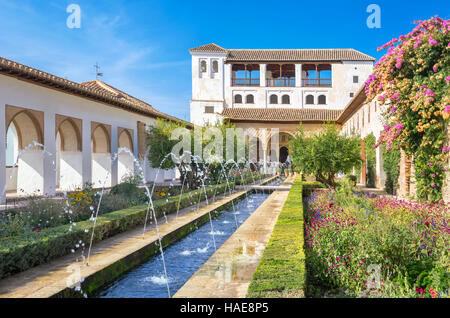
[95, 90]
[298, 55]
[108, 89]
[281, 114]
[209, 48]
[268, 55]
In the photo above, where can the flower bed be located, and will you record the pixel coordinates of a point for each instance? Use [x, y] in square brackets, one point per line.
[281, 272]
[359, 246]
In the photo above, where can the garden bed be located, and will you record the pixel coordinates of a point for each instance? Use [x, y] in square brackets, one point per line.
[374, 246]
[281, 272]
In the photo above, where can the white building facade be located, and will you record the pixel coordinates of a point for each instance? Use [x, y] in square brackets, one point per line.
[286, 79]
[60, 134]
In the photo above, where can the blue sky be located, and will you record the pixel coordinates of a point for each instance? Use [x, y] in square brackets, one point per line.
[142, 46]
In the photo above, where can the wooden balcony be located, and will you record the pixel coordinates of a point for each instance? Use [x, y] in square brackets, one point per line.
[245, 82]
[280, 82]
[319, 82]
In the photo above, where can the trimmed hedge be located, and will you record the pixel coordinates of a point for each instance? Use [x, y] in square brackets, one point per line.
[22, 252]
[281, 272]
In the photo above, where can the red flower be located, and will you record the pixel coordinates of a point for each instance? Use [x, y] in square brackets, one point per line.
[433, 293]
[427, 223]
[37, 230]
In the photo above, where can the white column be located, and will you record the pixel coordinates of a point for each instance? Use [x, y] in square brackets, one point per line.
[50, 157]
[87, 151]
[2, 153]
[114, 149]
[298, 75]
[227, 83]
[380, 175]
[262, 74]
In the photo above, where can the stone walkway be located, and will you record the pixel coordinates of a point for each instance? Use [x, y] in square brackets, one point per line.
[50, 279]
[229, 271]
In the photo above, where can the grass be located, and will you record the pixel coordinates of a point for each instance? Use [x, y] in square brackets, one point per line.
[281, 272]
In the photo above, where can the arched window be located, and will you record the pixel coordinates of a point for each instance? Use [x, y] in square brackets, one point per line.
[322, 100]
[238, 99]
[285, 99]
[203, 66]
[249, 99]
[215, 66]
[310, 100]
[273, 99]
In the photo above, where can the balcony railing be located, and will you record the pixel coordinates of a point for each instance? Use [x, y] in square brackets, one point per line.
[313, 82]
[280, 82]
[245, 81]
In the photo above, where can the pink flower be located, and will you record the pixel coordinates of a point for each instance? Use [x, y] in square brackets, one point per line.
[447, 79]
[432, 41]
[435, 68]
[432, 185]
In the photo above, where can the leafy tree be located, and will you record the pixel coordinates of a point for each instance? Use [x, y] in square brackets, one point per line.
[325, 153]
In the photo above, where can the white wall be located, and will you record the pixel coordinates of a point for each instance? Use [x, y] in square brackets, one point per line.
[218, 92]
[71, 170]
[30, 175]
[11, 178]
[18, 93]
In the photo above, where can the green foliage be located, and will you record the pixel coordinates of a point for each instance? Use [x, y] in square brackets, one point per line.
[160, 143]
[391, 166]
[326, 153]
[159, 140]
[21, 252]
[369, 150]
[281, 272]
[412, 82]
[128, 189]
[348, 232]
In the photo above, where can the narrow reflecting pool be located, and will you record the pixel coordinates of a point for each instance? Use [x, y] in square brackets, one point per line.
[184, 257]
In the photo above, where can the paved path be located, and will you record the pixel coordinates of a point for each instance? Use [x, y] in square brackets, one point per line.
[228, 273]
[49, 279]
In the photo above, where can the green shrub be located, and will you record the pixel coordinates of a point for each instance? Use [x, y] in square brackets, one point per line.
[281, 272]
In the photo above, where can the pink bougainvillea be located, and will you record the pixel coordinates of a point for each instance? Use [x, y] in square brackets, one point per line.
[412, 80]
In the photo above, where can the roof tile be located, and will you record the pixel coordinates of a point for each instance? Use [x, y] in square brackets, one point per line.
[281, 114]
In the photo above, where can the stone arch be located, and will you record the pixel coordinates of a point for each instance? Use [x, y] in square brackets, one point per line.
[125, 139]
[70, 134]
[69, 158]
[276, 141]
[27, 174]
[125, 160]
[101, 155]
[101, 139]
[28, 127]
